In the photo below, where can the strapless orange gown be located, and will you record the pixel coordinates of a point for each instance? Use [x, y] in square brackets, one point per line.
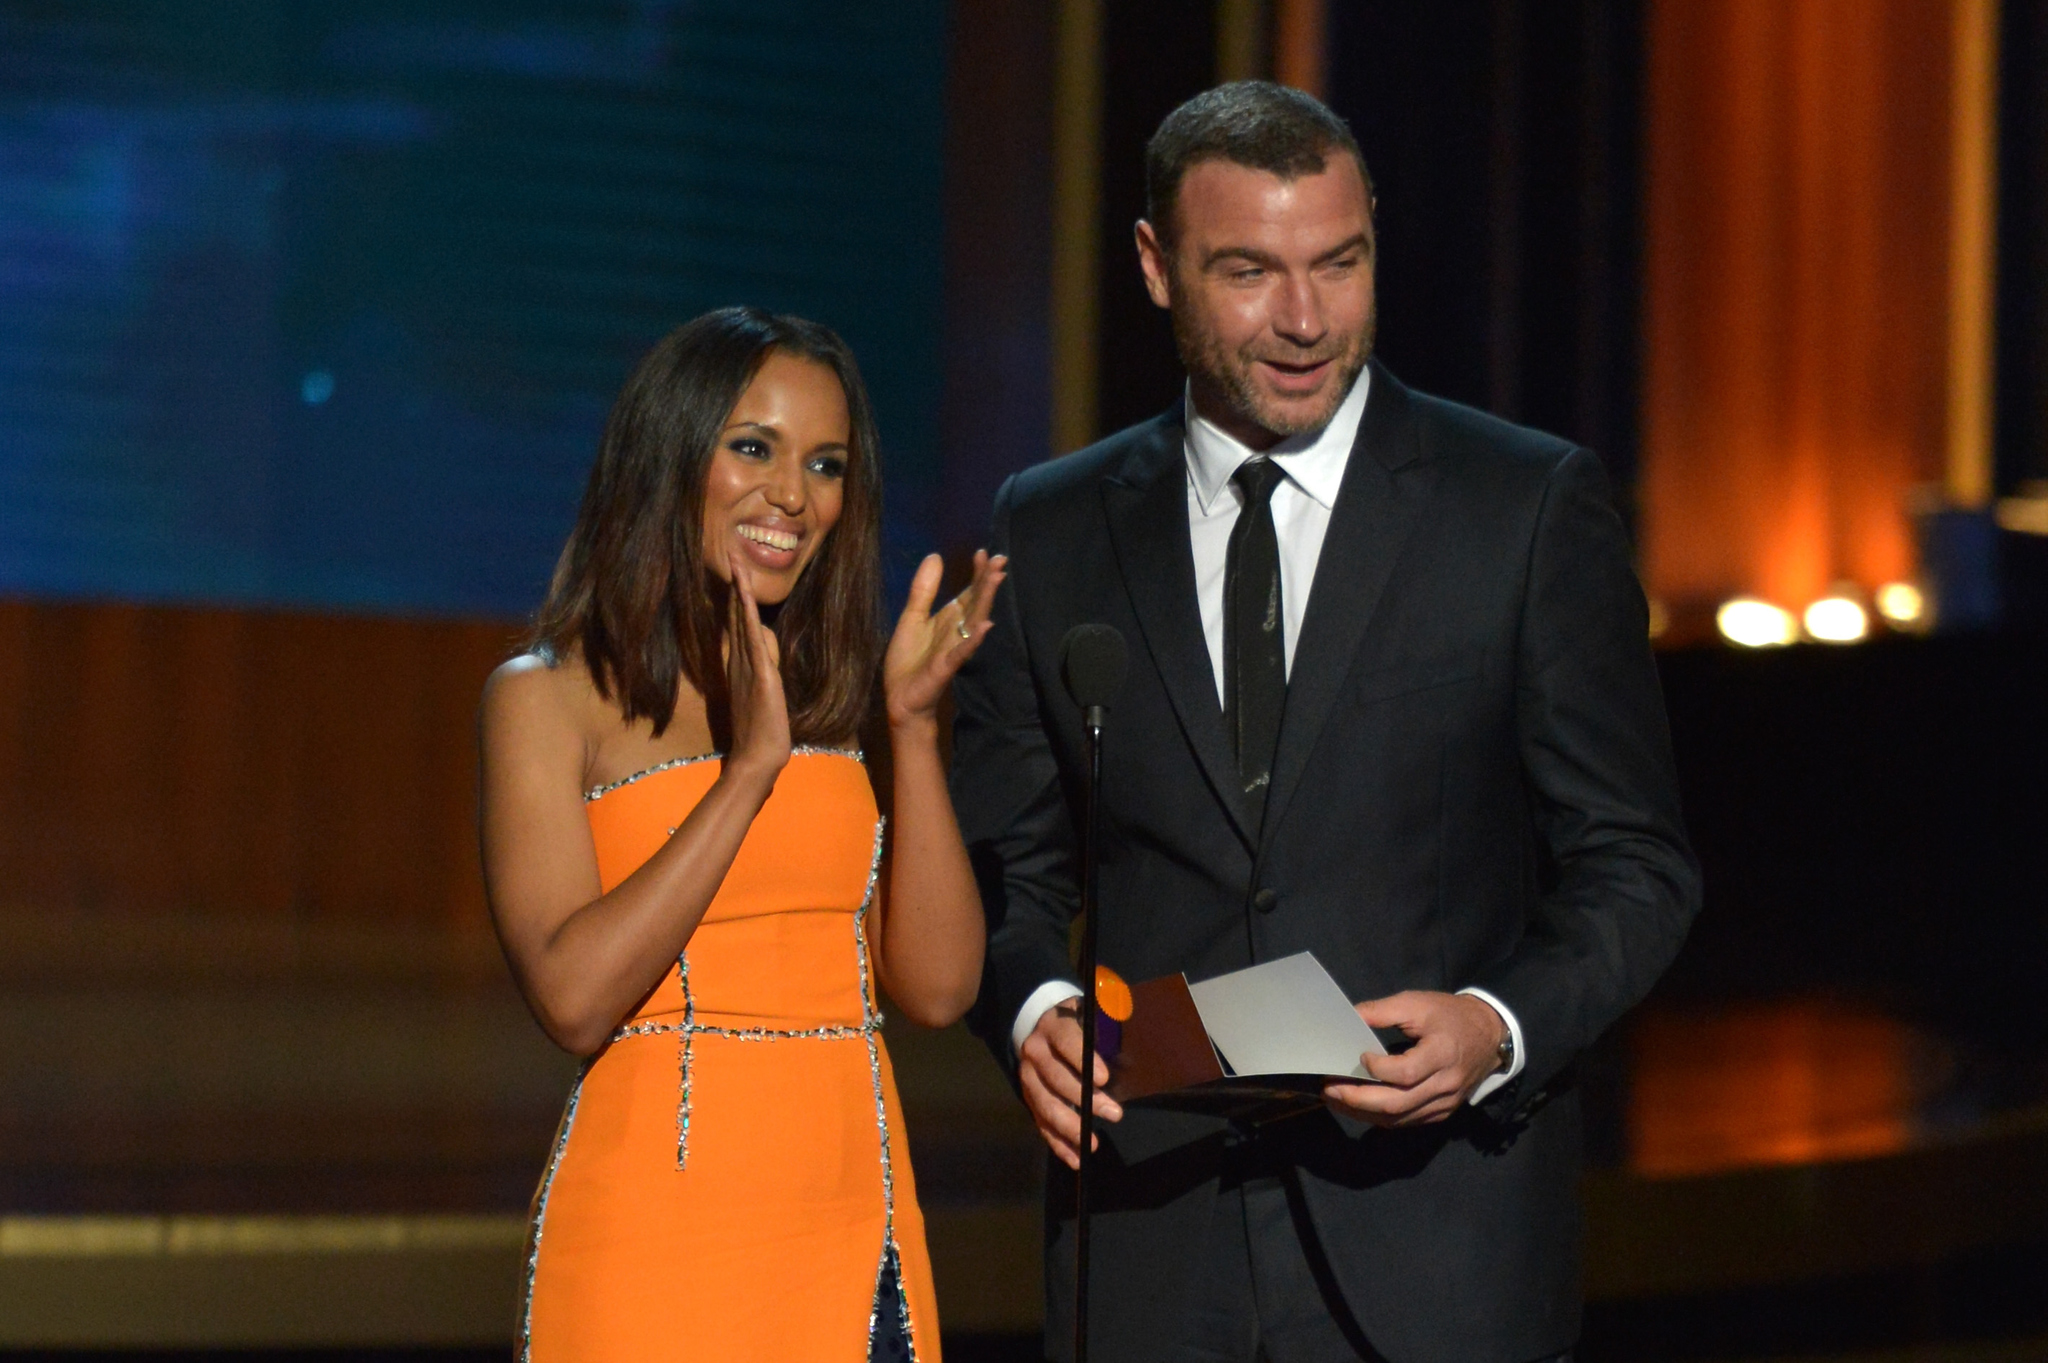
[730, 1171]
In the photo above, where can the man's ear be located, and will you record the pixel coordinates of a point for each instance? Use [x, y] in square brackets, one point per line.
[1152, 260]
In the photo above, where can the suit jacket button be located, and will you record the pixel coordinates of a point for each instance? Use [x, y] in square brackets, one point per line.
[1265, 901]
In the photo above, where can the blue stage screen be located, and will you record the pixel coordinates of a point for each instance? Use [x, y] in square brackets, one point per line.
[322, 305]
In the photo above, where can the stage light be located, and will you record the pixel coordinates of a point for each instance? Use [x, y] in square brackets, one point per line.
[2026, 513]
[1901, 603]
[1837, 620]
[1755, 624]
[316, 387]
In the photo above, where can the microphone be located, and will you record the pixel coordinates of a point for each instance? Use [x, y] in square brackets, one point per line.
[1092, 663]
[1093, 660]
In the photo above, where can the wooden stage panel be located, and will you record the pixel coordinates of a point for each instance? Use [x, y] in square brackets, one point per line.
[175, 759]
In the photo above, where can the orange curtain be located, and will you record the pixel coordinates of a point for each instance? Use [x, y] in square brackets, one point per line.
[1798, 209]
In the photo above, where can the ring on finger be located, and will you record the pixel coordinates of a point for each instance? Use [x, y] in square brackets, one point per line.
[960, 628]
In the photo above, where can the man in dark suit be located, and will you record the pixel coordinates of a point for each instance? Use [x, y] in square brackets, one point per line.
[1391, 701]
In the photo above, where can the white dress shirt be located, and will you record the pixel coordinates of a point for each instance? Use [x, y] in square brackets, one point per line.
[1302, 501]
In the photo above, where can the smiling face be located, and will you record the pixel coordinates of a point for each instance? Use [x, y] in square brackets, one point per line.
[1270, 284]
[776, 481]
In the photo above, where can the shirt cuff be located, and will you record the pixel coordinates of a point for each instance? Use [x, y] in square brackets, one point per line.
[1499, 1077]
[1055, 992]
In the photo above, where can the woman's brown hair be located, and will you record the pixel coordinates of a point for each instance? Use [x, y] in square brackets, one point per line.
[631, 593]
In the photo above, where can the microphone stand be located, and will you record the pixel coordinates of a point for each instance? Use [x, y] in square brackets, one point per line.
[1092, 718]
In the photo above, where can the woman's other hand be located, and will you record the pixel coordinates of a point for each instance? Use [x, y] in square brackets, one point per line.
[928, 930]
[929, 646]
[753, 679]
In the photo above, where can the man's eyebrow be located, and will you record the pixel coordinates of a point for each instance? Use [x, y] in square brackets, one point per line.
[1245, 253]
[1251, 254]
[1359, 242]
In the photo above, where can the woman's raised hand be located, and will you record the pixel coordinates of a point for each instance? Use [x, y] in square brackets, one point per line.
[753, 678]
[930, 646]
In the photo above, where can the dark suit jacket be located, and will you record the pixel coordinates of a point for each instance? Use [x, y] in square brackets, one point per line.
[1473, 786]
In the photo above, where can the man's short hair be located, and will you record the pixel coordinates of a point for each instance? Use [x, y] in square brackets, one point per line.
[1253, 123]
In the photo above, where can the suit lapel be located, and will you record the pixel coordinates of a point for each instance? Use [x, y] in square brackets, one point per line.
[1386, 485]
[1146, 503]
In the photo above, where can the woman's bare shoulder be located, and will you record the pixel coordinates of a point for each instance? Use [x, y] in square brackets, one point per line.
[537, 696]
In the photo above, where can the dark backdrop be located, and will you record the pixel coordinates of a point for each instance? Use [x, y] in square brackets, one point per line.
[1502, 139]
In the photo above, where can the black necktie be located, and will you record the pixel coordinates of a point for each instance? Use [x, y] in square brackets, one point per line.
[1254, 649]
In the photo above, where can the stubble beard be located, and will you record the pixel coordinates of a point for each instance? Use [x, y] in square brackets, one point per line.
[1229, 372]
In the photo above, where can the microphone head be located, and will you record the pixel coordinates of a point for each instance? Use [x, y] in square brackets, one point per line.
[1092, 663]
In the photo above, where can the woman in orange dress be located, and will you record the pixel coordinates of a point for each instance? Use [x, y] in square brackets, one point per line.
[688, 868]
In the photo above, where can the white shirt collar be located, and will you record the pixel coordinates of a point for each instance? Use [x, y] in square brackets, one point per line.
[1314, 462]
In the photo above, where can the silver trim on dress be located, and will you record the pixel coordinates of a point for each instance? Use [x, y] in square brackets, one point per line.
[800, 750]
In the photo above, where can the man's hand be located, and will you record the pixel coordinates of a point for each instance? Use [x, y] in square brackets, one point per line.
[1457, 1044]
[1049, 1073]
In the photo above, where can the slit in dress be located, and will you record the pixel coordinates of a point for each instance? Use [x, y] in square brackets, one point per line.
[888, 1338]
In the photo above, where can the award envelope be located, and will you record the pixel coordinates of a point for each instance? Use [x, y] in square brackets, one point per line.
[1251, 1045]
